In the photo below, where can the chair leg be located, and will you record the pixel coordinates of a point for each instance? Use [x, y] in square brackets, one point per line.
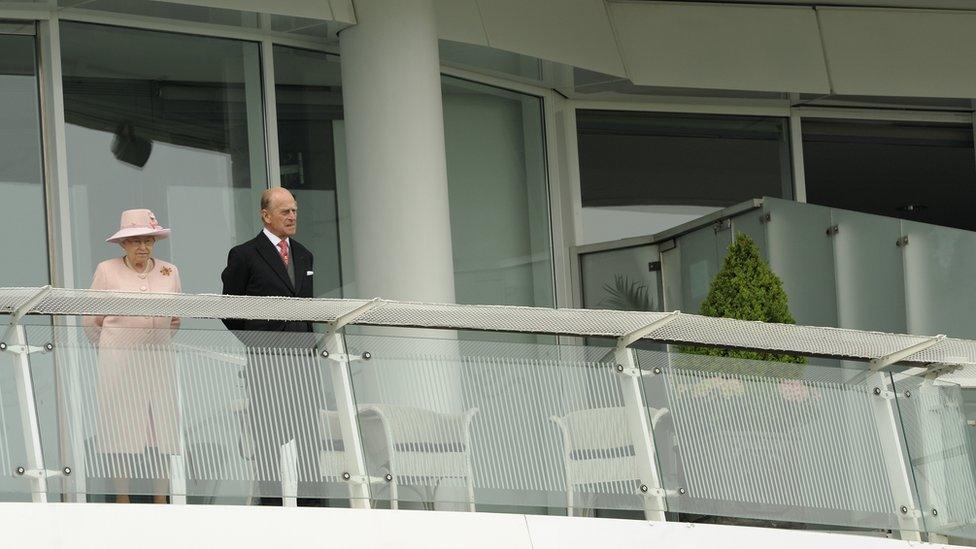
[289, 474]
[394, 504]
[470, 495]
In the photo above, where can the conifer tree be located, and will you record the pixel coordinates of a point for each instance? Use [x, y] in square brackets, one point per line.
[746, 288]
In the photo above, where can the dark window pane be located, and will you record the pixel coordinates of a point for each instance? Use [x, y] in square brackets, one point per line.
[923, 172]
[309, 103]
[641, 172]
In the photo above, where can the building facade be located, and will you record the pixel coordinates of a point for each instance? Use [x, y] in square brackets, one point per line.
[459, 151]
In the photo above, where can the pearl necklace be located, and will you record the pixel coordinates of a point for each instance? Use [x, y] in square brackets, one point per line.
[149, 266]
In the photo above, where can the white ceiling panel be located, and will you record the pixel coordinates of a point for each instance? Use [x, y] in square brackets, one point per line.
[757, 48]
[574, 32]
[459, 20]
[914, 53]
[310, 9]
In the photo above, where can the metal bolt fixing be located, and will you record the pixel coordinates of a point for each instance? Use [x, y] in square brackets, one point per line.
[48, 346]
[325, 354]
[620, 367]
[904, 509]
[657, 371]
[3, 346]
[908, 394]
[66, 471]
[346, 476]
[877, 390]
[682, 491]
[935, 512]
[388, 477]
[21, 471]
[643, 488]
[367, 355]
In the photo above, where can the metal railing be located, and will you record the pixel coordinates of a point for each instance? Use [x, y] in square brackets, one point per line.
[402, 419]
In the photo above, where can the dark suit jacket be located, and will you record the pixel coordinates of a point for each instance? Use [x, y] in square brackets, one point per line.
[255, 268]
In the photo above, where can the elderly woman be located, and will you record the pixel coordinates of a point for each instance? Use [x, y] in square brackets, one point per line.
[136, 391]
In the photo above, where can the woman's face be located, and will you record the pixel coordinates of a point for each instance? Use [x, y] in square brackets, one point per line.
[138, 249]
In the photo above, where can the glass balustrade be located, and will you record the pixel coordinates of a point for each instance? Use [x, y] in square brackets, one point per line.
[414, 419]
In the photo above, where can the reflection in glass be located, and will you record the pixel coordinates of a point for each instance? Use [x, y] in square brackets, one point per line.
[176, 126]
[311, 153]
[21, 178]
[498, 189]
[626, 279]
[642, 173]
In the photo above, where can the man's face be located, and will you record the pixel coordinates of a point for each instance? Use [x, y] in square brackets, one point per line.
[281, 216]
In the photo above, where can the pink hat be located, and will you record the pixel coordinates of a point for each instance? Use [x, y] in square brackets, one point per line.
[138, 223]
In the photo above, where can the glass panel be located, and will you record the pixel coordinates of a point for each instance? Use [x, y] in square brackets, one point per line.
[466, 424]
[672, 280]
[642, 173]
[774, 443]
[219, 418]
[177, 129]
[21, 176]
[627, 279]
[750, 223]
[699, 265]
[922, 172]
[943, 459]
[800, 253]
[940, 280]
[496, 168]
[310, 137]
[870, 272]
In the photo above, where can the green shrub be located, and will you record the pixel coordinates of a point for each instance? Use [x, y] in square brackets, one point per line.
[746, 288]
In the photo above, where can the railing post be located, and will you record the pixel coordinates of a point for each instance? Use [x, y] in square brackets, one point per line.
[899, 470]
[335, 354]
[641, 434]
[15, 341]
[34, 468]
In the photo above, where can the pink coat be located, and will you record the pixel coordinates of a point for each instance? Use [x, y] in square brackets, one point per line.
[137, 384]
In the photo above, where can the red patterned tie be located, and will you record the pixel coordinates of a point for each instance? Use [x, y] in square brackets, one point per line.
[283, 251]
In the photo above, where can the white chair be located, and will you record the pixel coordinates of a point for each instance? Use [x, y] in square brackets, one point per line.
[598, 448]
[421, 446]
[425, 447]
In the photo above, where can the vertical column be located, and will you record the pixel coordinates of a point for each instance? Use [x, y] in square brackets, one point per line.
[394, 120]
[55, 153]
[399, 212]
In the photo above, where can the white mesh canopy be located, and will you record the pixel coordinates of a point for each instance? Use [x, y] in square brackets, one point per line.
[679, 328]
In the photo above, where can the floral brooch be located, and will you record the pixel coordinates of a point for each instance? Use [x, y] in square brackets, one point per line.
[166, 271]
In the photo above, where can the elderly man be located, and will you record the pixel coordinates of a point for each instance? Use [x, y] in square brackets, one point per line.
[283, 378]
[271, 264]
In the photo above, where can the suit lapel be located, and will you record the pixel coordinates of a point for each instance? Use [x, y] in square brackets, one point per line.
[270, 255]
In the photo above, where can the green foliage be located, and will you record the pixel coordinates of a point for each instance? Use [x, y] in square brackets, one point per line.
[626, 295]
[747, 289]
